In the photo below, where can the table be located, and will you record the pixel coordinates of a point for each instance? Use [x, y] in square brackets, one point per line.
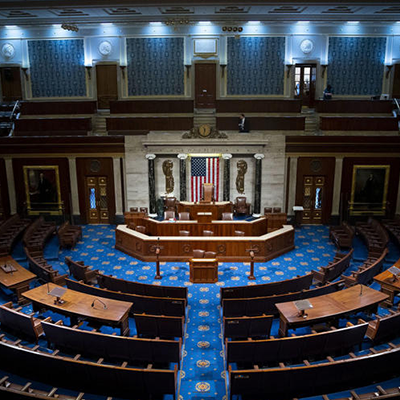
[389, 286]
[18, 280]
[203, 270]
[82, 306]
[329, 306]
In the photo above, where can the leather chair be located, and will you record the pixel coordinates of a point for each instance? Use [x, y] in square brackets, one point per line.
[210, 254]
[227, 216]
[197, 253]
[241, 206]
[169, 214]
[132, 225]
[184, 216]
[144, 210]
[208, 192]
[208, 233]
[184, 233]
[239, 233]
[267, 210]
[170, 204]
[276, 210]
[134, 209]
[141, 229]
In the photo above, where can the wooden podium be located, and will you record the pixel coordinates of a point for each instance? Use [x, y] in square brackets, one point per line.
[203, 270]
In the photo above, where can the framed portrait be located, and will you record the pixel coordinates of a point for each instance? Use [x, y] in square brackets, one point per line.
[369, 189]
[42, 189]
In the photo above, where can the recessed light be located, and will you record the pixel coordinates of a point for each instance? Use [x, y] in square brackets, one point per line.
[106, 24]
[303, 22]
[204, 23]
[353, 22]
[156, 23]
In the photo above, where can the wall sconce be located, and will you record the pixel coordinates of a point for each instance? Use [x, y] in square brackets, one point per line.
[25, 71]
[388, 69]
[288, 68]
[123, 67]
[89, 71]
[223, 66]
[324, 67]
[188, 66]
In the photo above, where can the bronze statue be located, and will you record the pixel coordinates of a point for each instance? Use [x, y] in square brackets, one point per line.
[241, 170]
[169, 178]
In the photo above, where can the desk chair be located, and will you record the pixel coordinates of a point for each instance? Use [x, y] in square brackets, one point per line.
[134, 209]
[267, 210]
[227, 216]
[208, 233]
[144, 210]
[208, 192]
[170, 204]
[169, 214]
[184, 216]
[241, 206]
[197, 253]
[184, 233]
[210, 254]
[276, 210]
[141, 229]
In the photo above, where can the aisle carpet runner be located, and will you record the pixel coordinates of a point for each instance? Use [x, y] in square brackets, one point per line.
[203, 374]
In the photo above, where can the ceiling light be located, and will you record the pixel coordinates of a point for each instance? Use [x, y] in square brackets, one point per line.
[106, 23]
[303, 22]
[353, 22]
[204, 23]
[156, 23]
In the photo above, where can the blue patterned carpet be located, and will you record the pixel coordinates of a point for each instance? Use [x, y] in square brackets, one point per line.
[203, 375]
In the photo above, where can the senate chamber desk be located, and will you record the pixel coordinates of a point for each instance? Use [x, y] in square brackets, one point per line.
[227, 247]
[390, 284]
[82, 306]
[329, 307]
[17, 280]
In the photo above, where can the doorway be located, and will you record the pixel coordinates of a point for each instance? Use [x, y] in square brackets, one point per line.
[107, 86]
[11, 83]
[396, 82]
[313, 194]
[304, 83]
[205, 86]
[97, 200]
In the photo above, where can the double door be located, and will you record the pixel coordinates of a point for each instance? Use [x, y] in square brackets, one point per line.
[205, 87]
[313, 199]
[304, 83]
[97, 200]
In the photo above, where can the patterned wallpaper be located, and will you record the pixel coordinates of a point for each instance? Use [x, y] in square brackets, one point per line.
[57, 68]
[255, 65]
[155, 66]
[356, 65]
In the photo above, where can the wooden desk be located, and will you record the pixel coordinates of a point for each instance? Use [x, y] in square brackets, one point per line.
[82, 306]
[19, 280]
[203, 270]
[329, 306]
[389, 286]
[216, 208]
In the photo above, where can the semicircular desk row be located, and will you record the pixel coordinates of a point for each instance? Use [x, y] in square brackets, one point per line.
[266, 244]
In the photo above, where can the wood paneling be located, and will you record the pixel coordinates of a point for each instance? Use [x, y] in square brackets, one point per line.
[63, 166]
[342, 144]
[264, 106]
[205, 86]
[151, 106]
[359, 124]
[64, 145]
[149, 123]
[95, 167]
[354, 106]
[228, 249]
[11, 83]
[58, 107]
[263, 123]
[317, 166]
[107, 86]
[4, 199]
[44, 125]
[347, 177]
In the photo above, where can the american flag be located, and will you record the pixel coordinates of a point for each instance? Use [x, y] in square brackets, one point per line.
[204, 170]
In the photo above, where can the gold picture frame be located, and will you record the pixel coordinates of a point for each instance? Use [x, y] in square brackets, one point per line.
[42, 189]
[369, 189]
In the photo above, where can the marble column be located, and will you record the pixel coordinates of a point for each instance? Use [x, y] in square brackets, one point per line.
[257, 191]
[152, 184]
[227, 175]
[182, 176]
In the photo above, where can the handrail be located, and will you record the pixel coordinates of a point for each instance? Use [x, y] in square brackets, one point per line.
[13, 110]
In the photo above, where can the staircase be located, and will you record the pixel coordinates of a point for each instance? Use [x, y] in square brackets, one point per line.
[204, 116]
[99, 122]
[311, 122]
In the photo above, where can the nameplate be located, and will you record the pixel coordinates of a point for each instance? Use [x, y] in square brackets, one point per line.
[204, 213]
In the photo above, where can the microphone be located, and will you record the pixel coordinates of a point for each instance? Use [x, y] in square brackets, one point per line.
[48, 288]
[361, 290]
[102, 302]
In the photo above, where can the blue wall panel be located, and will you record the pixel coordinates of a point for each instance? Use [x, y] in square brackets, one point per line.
[255, 65]
[57, 68]
[356, 65]
[155, 66]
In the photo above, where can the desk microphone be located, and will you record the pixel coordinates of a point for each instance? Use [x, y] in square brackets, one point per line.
[361, 290]
[48, 288]
[102, 302]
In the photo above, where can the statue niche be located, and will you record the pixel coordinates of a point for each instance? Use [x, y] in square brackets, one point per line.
[241, 170]
[169, 178]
